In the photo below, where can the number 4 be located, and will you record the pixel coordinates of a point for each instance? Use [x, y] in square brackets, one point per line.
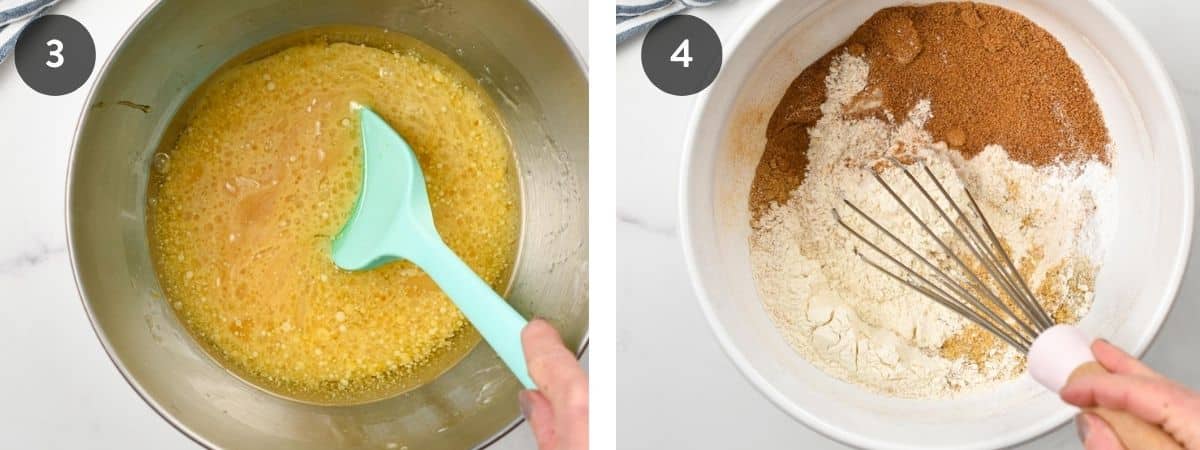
[681, 54]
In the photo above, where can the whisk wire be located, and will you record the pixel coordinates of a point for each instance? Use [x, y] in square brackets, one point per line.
[1030, 299]
[973, 240]
[953, 305]
[976, 283]
[971, 245]
[977, 245]
[965, 293]
[961, 298]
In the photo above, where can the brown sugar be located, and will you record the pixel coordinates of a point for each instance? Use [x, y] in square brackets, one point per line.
[1063, 289]
[973, 344]
[991, 75]
[782, 166]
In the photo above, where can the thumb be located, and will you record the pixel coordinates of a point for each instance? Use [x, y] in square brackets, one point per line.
[1095, 433]
[537, 411]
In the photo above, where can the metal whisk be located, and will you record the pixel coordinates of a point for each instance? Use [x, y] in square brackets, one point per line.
[1057, 353]
[978, 297]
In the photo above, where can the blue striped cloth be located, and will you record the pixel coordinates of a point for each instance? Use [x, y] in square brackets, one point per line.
[14, 15]
[634, 17]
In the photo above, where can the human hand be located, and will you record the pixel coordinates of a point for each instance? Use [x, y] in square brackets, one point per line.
[558, 410]
[1132, 387]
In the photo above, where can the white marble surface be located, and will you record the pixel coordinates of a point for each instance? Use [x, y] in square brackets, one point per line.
[677, 389]
[58, 387]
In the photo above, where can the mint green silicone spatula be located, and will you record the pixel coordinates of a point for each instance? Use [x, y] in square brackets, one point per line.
[392, 220]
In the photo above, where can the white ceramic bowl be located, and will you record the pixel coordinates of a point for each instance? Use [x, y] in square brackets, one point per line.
[1135, 288]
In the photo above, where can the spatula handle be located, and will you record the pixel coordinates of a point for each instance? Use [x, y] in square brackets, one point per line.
[498, 323]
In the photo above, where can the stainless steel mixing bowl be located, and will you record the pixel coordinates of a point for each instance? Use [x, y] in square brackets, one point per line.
[539, 86]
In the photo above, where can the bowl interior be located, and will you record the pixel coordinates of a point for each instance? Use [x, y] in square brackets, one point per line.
[540, 90]
[1145, 257]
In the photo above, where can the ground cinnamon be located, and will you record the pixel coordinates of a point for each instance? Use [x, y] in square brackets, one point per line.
[992, 76]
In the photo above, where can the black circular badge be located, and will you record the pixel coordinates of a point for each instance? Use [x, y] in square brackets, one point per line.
[55, 55]
[681, 55]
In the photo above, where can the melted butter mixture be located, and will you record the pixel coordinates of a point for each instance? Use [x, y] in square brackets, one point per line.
[264, 171]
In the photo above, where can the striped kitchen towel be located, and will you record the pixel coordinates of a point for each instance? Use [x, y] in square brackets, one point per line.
[14, 15]
[634, 17]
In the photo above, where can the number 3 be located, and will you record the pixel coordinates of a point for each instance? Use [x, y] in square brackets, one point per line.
[56, 53]
[681, 54]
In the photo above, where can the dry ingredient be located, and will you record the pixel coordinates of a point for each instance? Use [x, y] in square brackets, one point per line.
[991, 75]
[1050, 205]
[243, 207]
[859, 325]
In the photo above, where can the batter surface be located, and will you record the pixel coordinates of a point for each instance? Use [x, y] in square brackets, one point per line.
[264, 172]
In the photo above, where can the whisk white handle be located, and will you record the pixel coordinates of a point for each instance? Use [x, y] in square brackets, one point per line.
[1063, 351]
[1056, 353]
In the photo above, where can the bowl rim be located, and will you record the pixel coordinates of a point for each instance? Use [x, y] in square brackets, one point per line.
[1173, 109]
[85, 110]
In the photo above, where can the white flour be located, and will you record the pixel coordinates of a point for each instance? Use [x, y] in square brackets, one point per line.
[856, 323]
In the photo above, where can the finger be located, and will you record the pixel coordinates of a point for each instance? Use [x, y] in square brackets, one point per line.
[1150, 399]
[1095, 433]
[560, 380]
[1117, 361]
[537, 411]
[573, 417]
[552, 367]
